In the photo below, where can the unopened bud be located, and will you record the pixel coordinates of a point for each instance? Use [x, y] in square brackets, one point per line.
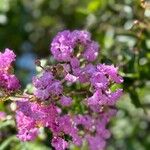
[37, 62]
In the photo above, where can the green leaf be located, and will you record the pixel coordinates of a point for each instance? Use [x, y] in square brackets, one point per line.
[135, 98]
[7, 142]
[4, 5]
[34, 146]
[95, 5]
[4, 124]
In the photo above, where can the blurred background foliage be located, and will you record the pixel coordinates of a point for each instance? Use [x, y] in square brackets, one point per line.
[121, 27]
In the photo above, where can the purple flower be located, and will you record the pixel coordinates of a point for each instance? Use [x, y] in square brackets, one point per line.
[46, 86]
[81, 36]
[27, 130]
[8, 81]
[99, 80]
[65, 101]
[64, 124]
[84, 73]
[63, 45]
[91, 52]
[43, 81]
[101, 130]
[43, 114]
[54, 109]
[59, 143]
[114, 96]
[96, 142]
[111, 71]
[94, 100]
[85, 120]
[75, 63]
[71, 78]
[108, 98]
[6, 59]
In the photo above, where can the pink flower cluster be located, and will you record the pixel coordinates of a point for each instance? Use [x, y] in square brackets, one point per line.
[47, 86]
[64, 44]
[62, 90]
[8, 80]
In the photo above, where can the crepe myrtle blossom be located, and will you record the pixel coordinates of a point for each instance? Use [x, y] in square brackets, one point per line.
[46, 86]
[64, 44]
[8, 80]
[71, 98]
[30, 116]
